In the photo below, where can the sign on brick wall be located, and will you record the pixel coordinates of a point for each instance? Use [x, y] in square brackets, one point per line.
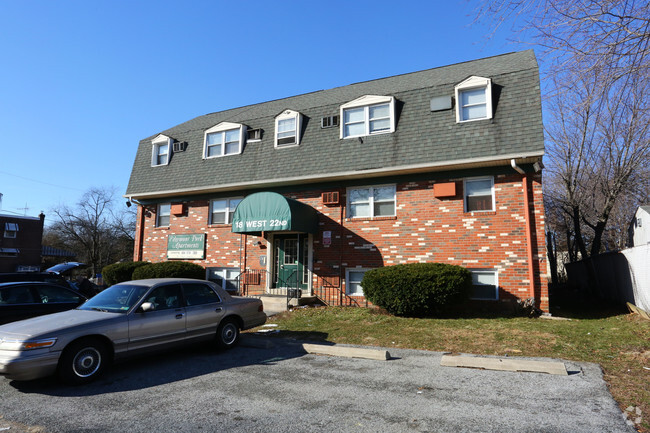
[186, 246]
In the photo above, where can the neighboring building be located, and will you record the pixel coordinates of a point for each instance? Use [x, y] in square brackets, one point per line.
[638, 230]
[311, 191]
[20, 243]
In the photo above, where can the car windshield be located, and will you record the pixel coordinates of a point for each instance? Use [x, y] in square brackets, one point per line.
[119, 298]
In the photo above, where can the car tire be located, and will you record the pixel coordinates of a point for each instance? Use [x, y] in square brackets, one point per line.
[228, 334]
[83, 361]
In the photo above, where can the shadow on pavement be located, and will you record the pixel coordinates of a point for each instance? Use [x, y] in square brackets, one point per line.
[149, 371]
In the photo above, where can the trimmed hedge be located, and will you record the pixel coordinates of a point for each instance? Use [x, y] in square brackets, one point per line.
[417, 289]
[119, 272]
[170, 270]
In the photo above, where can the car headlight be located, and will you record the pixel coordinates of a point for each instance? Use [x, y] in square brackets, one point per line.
[26, 344]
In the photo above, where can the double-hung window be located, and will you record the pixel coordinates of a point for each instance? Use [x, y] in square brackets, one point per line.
[474, 99]
[479, 194]
[484, 284]
[163, 214]
[161, 150]
[11, 230]
[368, 115]
[224, 139]
[287, 128]
[373, 201]
[353, 277]
[222, 210]
[227, 278]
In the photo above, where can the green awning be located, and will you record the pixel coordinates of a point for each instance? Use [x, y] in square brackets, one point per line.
[272, 212]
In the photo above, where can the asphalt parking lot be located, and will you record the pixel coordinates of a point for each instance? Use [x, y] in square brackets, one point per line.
[267, 385]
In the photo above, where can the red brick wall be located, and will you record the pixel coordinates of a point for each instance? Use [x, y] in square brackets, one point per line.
[426, 229]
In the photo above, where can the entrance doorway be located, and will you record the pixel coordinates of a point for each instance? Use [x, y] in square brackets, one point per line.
[290, 261]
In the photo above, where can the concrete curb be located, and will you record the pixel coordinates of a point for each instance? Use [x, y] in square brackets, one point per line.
[349, 352]
[504, 364]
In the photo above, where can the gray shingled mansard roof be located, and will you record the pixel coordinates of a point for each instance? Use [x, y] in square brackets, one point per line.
[423, 140]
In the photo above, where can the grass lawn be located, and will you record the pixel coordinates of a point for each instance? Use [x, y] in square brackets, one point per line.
[618, 341]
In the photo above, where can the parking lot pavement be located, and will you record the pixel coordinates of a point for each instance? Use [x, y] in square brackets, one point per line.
[268, 385]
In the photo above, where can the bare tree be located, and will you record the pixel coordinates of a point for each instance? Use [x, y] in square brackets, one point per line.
[597, 56]
[98, 233]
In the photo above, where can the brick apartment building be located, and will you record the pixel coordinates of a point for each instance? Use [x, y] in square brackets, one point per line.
[311, 191]
[20, 243]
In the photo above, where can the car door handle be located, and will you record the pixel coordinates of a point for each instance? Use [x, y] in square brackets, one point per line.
[218, 309]
[179, 316]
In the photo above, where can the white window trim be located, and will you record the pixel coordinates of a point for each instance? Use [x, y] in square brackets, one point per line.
[222, 127]
[229, 211]
[370, 200]
[496, 283]
[288, 114]
[155, 144]
[11, 230]
[472, 83]
[347, 280]
[159, 214]
[366, 102]
[491, 179]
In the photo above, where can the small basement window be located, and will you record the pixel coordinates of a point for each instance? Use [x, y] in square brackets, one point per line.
[484, 285]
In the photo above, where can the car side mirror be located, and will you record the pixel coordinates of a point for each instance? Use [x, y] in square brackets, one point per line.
[147, 306]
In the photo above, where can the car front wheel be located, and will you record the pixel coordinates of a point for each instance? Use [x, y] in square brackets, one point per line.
[227, 334]
[83, 361]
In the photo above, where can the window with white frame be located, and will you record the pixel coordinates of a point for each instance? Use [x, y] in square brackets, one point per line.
[353, 277]
[287, 128]
[474, 99]
[222, 210]
[227, 278]
[162, 215]
[371, 201]
[11, 230]
[485, 284]
[479, 194]
[368, 115]
[224, 139]
[161, 150]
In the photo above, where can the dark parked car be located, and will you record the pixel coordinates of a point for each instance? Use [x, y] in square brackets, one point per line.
[128, 318]
[54, 275]
[23, 300]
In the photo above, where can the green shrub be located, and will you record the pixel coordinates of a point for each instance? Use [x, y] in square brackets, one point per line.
[119, 272]
[417, 289]
[170, 270]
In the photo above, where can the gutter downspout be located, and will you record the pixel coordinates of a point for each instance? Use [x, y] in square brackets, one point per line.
[529, 234]
[139, 246]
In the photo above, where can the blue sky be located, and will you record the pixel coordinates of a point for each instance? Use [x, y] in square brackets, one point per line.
[82, 82]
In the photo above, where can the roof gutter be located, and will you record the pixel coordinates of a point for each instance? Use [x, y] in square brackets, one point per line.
[529, 234]
[528, 157]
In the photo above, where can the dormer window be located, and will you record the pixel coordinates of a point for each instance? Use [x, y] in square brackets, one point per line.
[474, 99]
[224, 139]
[287, 128]
[368, 115]
[161, 150]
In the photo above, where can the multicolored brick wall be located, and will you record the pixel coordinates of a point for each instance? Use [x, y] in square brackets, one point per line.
[425, 229]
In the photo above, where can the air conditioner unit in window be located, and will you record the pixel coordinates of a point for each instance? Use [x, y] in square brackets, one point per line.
[331, 197]
[179, 146]
[329, 121]
[254, 134]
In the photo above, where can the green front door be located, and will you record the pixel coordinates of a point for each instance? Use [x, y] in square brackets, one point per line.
[290, 261]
